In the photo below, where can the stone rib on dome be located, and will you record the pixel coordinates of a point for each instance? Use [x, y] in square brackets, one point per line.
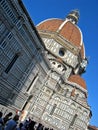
[78, 80]
[82, 51]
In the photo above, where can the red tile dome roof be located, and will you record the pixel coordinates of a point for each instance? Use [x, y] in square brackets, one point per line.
[78, 80]
[66, 29]
[50, 25]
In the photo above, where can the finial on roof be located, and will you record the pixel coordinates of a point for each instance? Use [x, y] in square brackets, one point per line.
[73, 16]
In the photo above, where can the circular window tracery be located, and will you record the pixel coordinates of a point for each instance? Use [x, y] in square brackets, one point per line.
[61, 51]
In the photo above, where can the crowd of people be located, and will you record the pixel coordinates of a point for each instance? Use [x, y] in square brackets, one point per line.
[9, 123]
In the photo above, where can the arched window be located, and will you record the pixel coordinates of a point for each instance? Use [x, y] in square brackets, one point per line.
[66, 91]
[59, 66]
[53, 109]
[73, 105]
[53, 62]
[73, 120]
[12, 63]
[85, 112]
[76, 96]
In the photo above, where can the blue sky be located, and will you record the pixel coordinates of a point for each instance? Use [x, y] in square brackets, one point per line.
[40, 10]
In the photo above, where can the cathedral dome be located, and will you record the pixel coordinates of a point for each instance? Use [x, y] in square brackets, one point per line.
[78, 80]
[66, 29]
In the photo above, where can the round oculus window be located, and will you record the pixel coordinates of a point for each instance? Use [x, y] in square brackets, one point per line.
[61, 52]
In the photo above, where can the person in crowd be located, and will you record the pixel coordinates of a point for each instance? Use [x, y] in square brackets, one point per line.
[26, 124]
[7, 117]
[40, 127]
[7, 123]
[20, 126]
[31, 125]
[1, 121]
[35, 126]
[12, 123]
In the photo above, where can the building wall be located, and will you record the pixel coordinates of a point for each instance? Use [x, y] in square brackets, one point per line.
[21, 60]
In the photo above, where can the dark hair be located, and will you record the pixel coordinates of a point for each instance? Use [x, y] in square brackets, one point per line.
[10, 114]
[20, 125]
[16, 118]
[1, 114]
[46, 128]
